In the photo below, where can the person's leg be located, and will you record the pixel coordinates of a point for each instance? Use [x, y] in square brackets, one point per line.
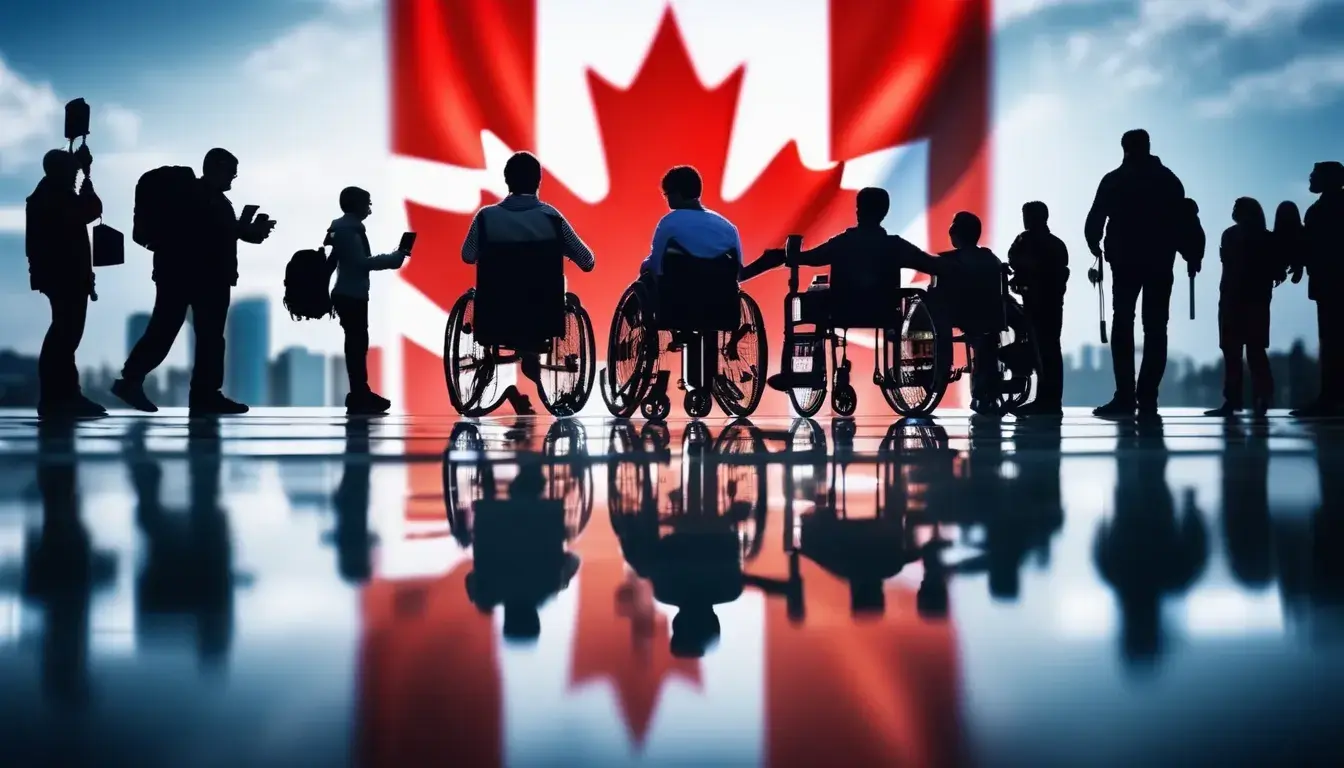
[985, 375]
[1262, 378]
[209, 315]
[165, 322]
[1047, 319]
[1233, 383]
[354, 318]
[58, 377]
[1125, 287]
[1157, 287]
[1331, 321]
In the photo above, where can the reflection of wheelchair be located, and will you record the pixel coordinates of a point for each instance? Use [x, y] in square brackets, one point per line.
[525, 311]
[912, 347]
[696, 310]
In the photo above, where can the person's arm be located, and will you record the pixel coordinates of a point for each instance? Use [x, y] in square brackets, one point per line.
[771, 258]
[1017, 254]
[390, 260]
[737, 243]
[471, 245]
[1095, 226]
[823, 255]
[910, 256]
[575, 249]
[661, 235]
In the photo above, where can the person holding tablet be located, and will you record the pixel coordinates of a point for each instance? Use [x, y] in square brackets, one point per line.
[354, 260]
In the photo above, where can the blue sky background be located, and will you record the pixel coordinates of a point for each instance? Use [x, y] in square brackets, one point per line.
[1241, 97]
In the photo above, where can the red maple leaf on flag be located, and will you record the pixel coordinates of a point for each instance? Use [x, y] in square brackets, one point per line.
[665, 118]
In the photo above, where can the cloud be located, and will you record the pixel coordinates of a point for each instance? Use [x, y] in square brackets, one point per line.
[11, 220]
[312, 50]
[122, 124]
[1303, 83]
[30, 115]
[1008, 12]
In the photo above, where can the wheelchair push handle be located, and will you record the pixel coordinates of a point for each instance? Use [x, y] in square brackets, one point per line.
[793, 246]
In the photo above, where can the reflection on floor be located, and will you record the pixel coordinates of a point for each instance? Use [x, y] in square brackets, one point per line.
[292, 588]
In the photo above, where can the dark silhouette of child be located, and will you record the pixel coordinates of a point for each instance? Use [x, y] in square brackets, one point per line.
[350, 296]
[1250, 272]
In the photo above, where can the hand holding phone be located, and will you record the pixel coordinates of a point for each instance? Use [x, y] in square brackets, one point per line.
[249, 211]
[407, 243]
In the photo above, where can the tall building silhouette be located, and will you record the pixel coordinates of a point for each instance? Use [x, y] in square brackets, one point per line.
[247, 350]
[340, 381]
[299, 379]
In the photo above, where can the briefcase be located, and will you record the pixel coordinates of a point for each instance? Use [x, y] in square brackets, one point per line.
[109, 246]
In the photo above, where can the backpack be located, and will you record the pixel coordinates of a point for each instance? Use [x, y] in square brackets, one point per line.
[162, 199]
[307, 285]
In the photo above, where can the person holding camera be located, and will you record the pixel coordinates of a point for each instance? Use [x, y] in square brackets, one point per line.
[60, 267]
[196, 269]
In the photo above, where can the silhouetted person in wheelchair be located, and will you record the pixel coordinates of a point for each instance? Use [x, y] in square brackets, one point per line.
[1139, 206]
[1040, 264]
[859, 256]
[968, 294]
[689, 227]
[522, 225]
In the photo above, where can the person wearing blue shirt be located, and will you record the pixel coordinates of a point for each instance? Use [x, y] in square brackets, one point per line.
[698, 231]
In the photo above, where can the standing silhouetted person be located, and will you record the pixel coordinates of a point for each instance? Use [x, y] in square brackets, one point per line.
[60, 267]
[1040, 264]
[1251, 269]
[1138, 208]
[195, 271]
[350, 297]
[1324, 264]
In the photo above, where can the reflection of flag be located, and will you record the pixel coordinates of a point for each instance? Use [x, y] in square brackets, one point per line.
[440, 684]
[851, 82]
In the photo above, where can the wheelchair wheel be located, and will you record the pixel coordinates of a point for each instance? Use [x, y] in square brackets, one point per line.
[698, 403]
[914, 365]
[469, 368]
[740, 484]
[656, 408]
[743, 356]
[464, 482]
[844, 400]
[571, 481]
[630, 355]
[568, 368]
[1020, 362]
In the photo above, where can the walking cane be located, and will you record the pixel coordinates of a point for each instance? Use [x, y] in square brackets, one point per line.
[1096, 275]
[1191, 272]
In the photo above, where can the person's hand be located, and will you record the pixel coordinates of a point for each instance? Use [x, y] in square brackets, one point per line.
[84, 157]
[1094, 276]
[1193, 266]
[1095, 248]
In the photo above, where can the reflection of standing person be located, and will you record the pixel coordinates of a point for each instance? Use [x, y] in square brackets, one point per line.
[1040, 264]
[1138, 207]
[1250, 272]
[60, 266]
[1324, 263]
[197, 273]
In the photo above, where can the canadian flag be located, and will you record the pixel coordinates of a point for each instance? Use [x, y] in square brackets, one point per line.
[786, 109]
[438, 683]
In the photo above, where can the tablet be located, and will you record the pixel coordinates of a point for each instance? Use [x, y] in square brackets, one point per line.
[248, 212]
[407, 242]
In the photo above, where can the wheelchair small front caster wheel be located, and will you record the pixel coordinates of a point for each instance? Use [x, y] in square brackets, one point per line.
[844, 400]
[656, 408]
[698, 403]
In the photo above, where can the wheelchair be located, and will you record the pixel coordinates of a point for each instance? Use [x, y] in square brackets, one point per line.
[511, 313]
[912, 346]
[720, 337]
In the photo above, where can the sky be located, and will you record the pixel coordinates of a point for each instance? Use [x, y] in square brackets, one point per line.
[1241, 98]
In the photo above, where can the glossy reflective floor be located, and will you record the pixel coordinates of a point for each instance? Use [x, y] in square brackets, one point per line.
[293, 589]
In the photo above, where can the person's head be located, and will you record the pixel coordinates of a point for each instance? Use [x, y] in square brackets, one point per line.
[1247, 212]
[356, 202]
[522, 174]
[872, 204]
[1287, 216]
[1136, 143]
[219, 169]
[965, 230]
[1035, 216]
[1327, 177]
[681, 185]
[61, 167]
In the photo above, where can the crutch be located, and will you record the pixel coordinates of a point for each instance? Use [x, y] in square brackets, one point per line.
[1097, 275]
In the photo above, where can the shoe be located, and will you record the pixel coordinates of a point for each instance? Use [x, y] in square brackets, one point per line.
[366, 404]
[216, 404]
[1262, 406]
[1148, 411]
[986, 410]
[784, 381]
[1116, 409]
[87, 408]
[1041, 409]
[1317, 409]
[521, 404]
[1226, 410]
[132, 393]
